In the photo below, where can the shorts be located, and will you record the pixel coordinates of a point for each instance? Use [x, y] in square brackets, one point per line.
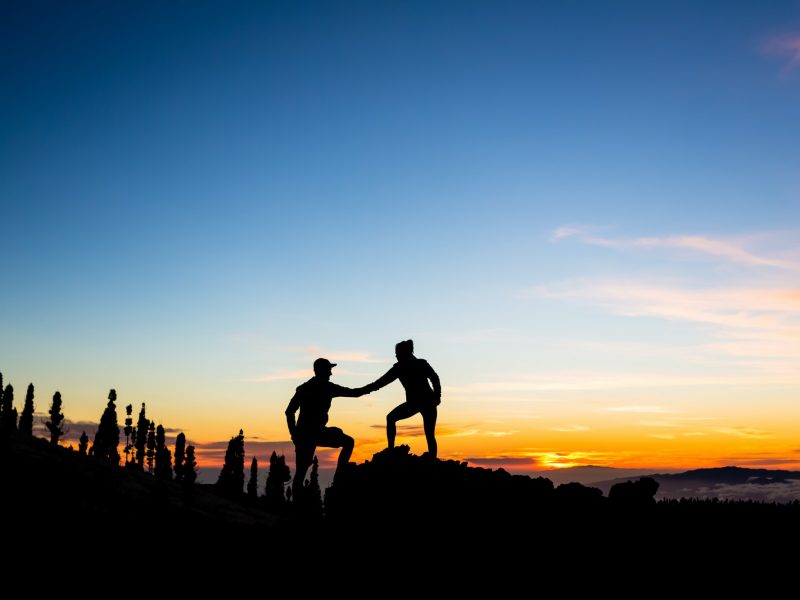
[305, 443]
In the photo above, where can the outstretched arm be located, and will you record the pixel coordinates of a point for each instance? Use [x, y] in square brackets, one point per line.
[383, 380]
[294, 404]
[340, 390]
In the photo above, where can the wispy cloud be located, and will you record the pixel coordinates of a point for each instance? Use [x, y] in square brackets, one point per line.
[484, 336]
[658, 423]
[342, 356]
[571, 428]
[748, 319]
[543, 459]
[638, 409]
[745, 321]
[498, 434]
[735, 250]
[786, 46]
[442, 430]
[746, 432]
[212, 453]
[342, 359]
[528, 386]
[742, 307]
[298, 374]
[501, 461]
[559, 460]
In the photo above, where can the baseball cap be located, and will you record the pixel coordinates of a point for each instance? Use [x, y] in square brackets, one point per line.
[322, 363]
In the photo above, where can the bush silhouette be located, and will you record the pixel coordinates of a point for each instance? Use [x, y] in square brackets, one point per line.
[634, 494]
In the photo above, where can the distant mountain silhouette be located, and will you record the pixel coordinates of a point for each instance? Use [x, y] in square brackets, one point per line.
[731, 475]
[731, 483]
[591, 474]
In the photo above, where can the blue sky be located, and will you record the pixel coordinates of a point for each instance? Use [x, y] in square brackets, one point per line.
[197, 195]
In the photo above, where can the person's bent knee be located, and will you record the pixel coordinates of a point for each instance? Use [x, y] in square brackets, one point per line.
[348, 442]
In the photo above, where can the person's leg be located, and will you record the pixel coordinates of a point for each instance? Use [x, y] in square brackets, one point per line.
[304, 457]
[429, 420]
[333, 437]
[404, 411]
[347, 444]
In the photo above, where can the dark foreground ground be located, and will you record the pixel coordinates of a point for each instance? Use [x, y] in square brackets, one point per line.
[396, 518]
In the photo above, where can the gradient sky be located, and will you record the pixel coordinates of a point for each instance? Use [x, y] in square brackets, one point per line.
[586, 215]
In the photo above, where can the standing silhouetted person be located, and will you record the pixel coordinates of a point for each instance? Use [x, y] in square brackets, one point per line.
[313, 399]
[414, 374]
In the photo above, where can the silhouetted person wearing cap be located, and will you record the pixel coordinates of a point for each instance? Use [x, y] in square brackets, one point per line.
[414, 374]
[313, 398]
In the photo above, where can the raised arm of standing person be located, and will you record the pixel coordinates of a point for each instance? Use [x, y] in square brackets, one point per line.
[383, 380]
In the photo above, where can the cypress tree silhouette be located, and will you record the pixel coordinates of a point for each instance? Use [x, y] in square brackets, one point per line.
[231, 478]
[26, 418]
[106, 439]
[83, 443]
[252, 485]
[128, 431]
[8, 414]
[189, 467]
[180, 455]
[163, 455]
[151, 446]
[277, 477]
[312, 494]
[142, 427]
[56, 419]
[131, 447]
